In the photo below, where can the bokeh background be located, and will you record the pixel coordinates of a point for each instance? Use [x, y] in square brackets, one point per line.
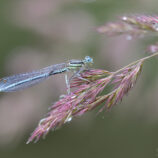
[38, 33]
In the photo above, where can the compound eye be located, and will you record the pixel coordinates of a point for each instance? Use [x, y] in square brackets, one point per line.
[88, 59]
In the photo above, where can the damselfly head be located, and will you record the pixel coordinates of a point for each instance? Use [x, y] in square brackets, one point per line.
[88, 60]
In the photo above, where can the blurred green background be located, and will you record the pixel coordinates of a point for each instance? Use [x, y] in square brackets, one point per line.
[38, 33]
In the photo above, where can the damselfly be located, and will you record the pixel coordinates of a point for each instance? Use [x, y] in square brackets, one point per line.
[24, 80]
